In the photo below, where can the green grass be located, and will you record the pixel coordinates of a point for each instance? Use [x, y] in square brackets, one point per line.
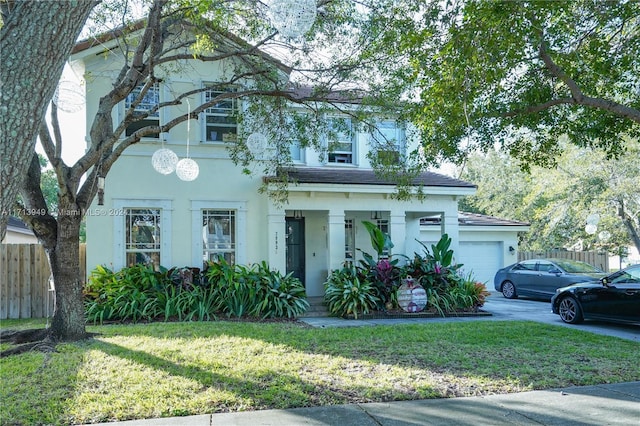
[174, 369]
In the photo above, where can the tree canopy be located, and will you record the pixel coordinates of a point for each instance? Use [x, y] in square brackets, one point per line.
[268, 70]
[560, 203]
[519, 75]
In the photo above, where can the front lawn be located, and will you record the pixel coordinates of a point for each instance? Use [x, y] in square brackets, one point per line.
[174, 369]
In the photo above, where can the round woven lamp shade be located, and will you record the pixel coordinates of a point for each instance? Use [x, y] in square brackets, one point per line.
[292, 18]
[164, 161]
[187, 169]
[69, 96]
[257, 143]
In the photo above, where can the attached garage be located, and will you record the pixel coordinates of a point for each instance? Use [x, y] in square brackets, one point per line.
[486, 243]
[482, 259]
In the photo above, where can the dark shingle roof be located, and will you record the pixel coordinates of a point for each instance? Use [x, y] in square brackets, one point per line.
[17, 223]
[369, 177]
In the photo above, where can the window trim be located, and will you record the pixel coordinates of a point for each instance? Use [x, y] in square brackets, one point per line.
[240, 207]
[119, 226]
[354, 142]
[159, 116]
[349, 229]
[400, 139]
[208, 87]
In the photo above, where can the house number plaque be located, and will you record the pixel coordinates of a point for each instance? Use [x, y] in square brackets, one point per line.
[412, 297]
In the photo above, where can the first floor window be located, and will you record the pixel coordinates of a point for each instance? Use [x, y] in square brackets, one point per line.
[219, 235]
[349, 240]
[142, 239]
[383, 225]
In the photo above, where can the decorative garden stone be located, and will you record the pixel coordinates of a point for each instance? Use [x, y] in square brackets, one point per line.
[412, 297]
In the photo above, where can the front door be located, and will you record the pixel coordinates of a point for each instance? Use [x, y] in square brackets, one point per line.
[295, 247]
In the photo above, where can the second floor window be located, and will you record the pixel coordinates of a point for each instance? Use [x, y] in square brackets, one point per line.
[388, 142]
[341, 141]
[142, 105]
[220, 120]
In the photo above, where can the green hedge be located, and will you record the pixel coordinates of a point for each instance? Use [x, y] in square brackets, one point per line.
[140, 293]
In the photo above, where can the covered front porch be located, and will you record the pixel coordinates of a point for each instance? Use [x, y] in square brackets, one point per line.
[321, 227]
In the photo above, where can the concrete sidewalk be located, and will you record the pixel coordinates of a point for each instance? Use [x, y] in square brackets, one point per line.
[611, 404]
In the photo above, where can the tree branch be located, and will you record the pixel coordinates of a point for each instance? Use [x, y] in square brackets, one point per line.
[36, 214]
[576, 93]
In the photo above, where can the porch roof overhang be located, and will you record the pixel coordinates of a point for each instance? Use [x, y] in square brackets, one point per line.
[479, 222]
[347, 180]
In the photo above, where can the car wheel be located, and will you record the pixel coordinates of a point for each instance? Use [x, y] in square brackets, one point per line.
[570, 311]
[509, 290]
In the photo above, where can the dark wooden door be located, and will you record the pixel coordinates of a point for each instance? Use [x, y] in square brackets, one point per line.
[295, 247]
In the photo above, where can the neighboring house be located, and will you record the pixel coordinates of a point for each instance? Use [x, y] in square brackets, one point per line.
[486, 243]
[161, 220]
[18, 233]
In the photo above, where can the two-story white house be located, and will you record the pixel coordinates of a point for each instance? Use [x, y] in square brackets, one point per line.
[162, 220]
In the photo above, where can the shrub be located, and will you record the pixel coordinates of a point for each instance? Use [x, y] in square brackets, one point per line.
[126, 295]
[374, 283]
[255, 291]
[139, 293]
[346, 294]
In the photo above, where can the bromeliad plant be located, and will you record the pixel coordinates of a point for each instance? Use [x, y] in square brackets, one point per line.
[255, 291]
[383, 273]
[435, 268]
[345, 293]
[373, 285]
[139, 293]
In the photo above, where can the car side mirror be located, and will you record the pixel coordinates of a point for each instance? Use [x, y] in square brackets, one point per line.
[605, 282]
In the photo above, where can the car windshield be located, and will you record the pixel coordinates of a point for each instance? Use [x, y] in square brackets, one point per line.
[631, 275]
[577, 267]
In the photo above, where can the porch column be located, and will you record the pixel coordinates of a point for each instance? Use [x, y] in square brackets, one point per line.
[398, 231]
[451, 228]
[276, 237]
[413, 234]
[335, 239]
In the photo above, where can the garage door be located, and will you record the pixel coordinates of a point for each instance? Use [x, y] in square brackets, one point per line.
[483, 259]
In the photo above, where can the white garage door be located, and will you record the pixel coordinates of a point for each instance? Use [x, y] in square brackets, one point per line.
[483, 259]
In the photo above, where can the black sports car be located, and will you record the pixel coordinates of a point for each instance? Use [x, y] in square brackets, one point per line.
[615, 297]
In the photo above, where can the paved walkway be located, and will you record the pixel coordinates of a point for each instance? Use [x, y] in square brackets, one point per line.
[612, 404]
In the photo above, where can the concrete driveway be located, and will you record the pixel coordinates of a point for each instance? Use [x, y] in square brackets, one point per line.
[540, 311]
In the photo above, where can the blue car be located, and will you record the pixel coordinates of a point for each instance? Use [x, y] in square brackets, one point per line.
[540, 278]
[615, 297]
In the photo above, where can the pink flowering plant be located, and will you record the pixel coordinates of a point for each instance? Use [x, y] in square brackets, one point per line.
[373, 283]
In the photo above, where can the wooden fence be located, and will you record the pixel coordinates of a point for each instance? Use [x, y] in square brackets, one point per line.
[595, 258]
[24, 281]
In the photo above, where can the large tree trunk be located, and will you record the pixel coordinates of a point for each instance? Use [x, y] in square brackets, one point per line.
[68, 316]
[35, 41]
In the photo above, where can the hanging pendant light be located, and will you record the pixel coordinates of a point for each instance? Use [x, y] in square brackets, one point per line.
[164, 161]
[292, 18]
[69, 96]
[257, 143]
[187, 169]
